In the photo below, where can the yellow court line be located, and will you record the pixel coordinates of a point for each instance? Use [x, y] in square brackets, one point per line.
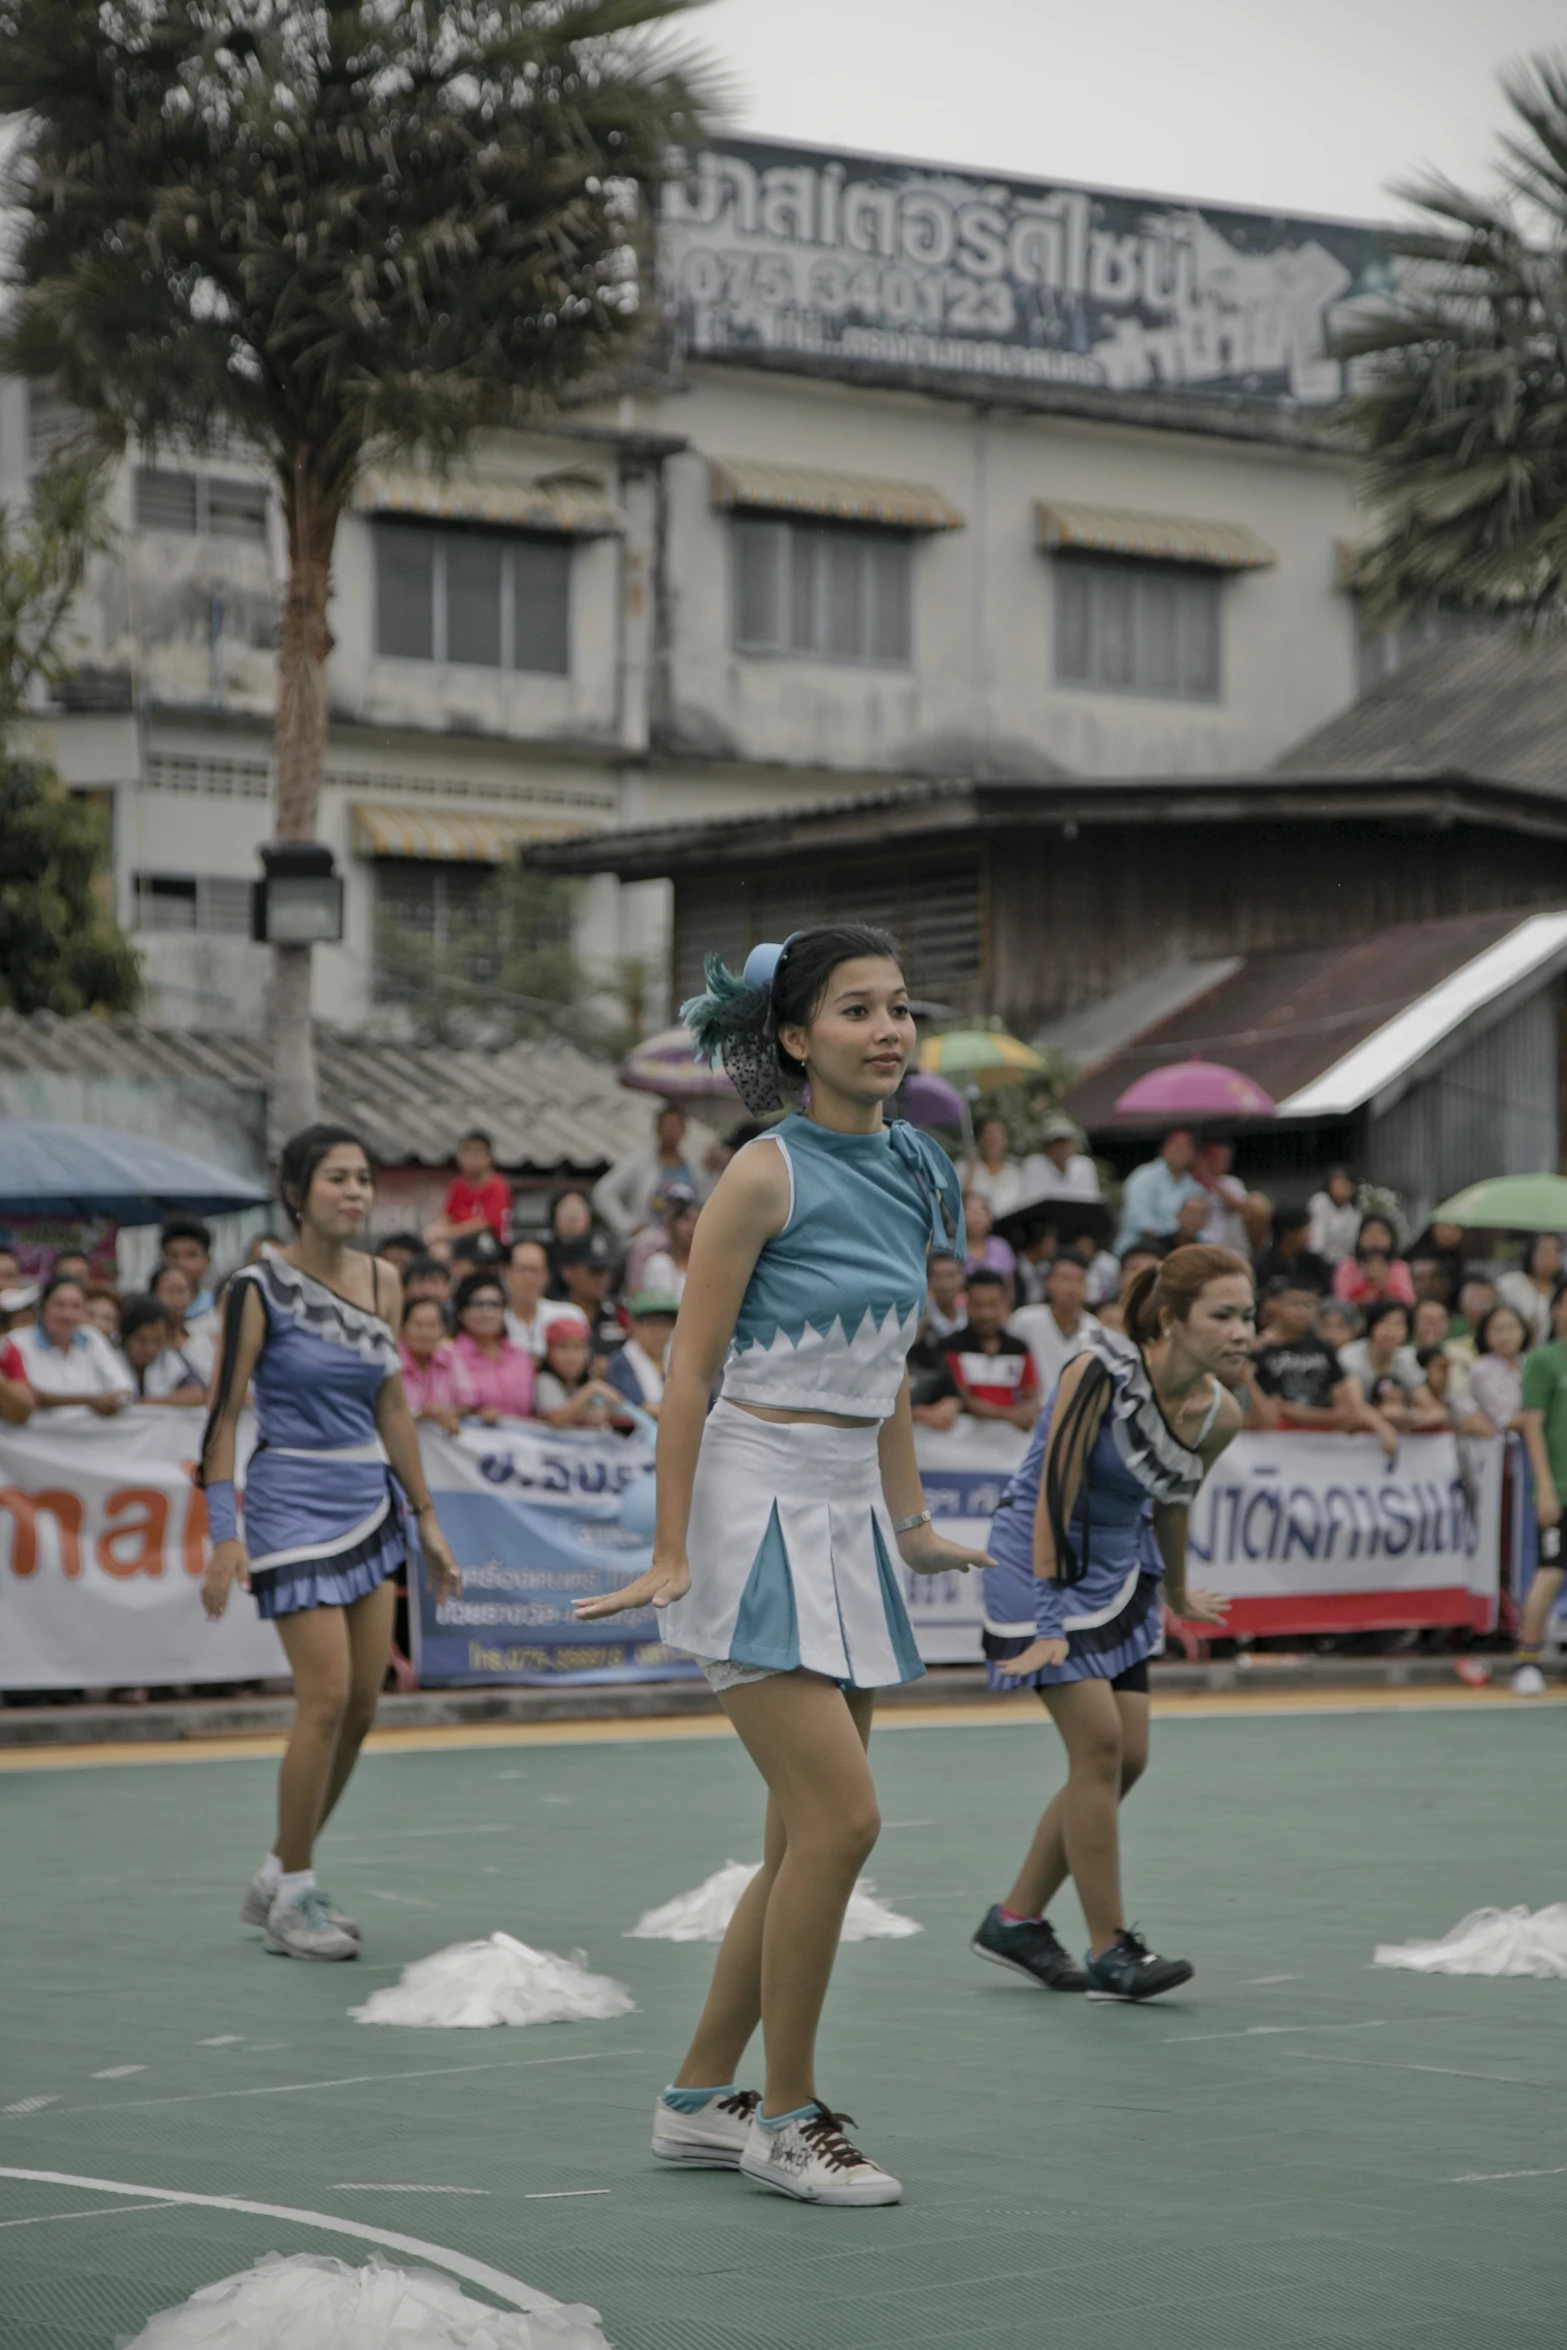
[982, 1713]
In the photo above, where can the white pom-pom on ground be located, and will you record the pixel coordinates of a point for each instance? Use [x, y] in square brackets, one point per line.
[703, 1915]
[311, 2302]
[1490, 1942]
[472, 1985]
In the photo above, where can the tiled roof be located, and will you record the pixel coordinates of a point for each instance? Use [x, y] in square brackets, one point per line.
[549, 1107]
[1490, 708]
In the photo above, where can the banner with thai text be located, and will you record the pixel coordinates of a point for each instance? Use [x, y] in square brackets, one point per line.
[826, 261]
[538, 1518]
[103, 1542]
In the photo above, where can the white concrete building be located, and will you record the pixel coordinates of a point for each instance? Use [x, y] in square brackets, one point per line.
[944, 479]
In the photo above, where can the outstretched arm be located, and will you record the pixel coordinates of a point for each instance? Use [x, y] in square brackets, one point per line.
[244, 1335]
[1170, 1524]
[921, 1548]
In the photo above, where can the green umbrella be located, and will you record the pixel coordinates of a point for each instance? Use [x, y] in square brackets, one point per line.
[1509, 1203]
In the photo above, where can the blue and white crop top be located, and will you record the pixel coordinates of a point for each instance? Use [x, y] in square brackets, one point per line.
[835, 1301]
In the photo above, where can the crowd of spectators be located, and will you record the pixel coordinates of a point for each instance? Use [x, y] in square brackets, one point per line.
[567, 1317]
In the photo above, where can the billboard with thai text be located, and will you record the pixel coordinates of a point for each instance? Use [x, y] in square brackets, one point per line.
[803, 256]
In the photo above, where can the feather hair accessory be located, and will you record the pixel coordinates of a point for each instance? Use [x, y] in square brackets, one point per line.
[732, 1022]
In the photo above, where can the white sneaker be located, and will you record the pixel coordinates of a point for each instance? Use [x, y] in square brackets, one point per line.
[713, 2139]
[1528, 1681]
[813, 2161]
[303, 1929]
[256, 1907]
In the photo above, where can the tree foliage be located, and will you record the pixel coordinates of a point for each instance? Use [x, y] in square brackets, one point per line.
[1460, 400]
[60, 948]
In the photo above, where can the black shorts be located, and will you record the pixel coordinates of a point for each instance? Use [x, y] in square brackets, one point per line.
[1134, 1679]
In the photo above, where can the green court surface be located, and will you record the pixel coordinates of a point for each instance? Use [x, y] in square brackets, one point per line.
[1300, 2150]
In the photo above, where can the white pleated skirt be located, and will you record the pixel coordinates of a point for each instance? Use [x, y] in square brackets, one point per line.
[794, 1564]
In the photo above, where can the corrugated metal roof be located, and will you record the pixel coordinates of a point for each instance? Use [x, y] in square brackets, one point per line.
[549, 1107]
[561, 502]
[1291, 1018]
[1490, 707]
[1156, 538]
[450, 838]
[839, 497]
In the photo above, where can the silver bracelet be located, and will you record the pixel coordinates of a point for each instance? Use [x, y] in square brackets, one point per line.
[907, 1525]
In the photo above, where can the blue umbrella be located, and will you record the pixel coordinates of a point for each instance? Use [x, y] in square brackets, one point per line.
[49, 1167]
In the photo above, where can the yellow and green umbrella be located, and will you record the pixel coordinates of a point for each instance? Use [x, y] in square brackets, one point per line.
[980, 1058]
[1509, 1203]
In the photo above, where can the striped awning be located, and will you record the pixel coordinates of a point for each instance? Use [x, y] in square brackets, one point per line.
[1155, 538]
[757, 483]
[575, 503]
[379, 831]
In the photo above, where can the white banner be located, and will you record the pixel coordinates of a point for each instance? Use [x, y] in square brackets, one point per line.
[103, 1539]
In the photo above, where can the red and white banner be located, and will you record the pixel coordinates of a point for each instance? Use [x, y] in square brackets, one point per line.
[103, 1540]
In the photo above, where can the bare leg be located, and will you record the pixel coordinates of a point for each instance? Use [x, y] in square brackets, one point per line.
[1089, 1720]
[315, 1641]
[1045, 1870]
[1544, 1592]
[370, 1623]
[808, 1739]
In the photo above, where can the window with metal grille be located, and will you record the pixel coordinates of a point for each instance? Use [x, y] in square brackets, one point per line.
[1382, 652]
[208, 504]
[821, 591]
[193, 901]
[435, 918]
[935, 912]
[1138, 628]
[481, 598]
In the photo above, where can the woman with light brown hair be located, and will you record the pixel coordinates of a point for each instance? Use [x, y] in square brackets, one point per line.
[1090, 1546]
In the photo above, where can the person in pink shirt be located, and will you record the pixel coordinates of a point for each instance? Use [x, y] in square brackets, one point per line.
[434, 1380]
[499, 1372]
[1375, 1270]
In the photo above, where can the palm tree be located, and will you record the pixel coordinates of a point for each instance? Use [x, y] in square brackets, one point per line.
[1459, 401]
[330, 231]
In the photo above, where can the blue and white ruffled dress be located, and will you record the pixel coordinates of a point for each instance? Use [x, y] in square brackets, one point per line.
[323, 1520]
[794, 1564]
[1112, 1618]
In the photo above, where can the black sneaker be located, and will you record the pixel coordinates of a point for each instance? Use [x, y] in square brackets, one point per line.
[1130, 1970]
[1029, 1948]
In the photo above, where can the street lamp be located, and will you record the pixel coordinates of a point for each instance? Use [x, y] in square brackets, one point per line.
[299, 900]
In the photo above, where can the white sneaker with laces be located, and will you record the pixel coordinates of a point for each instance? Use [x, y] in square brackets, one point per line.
[303, 1928]
[1528, 1681]
[712, 2139]
[812, 2160]
[256, 1907]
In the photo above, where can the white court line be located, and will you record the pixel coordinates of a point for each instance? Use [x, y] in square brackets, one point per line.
[565, 2194]
[1273, 2031]
[44, 2219]
[372, 2187]
[478, 2272]
[1392, 2064]
[119, 2072]
[1252, 1982]
[223, 2040]
[1484, 2178]
[405, 1900]
[351, 2081]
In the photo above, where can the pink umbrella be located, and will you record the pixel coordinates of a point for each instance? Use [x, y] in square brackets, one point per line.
[1195, 1089]
[667, 1064]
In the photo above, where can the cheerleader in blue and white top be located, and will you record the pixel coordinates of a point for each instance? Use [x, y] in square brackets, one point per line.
[310, 1332]
[1090, 1544]
[780, 1514]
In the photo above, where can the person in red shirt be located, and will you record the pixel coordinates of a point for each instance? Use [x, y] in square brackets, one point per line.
[16, 1397]
[478, 1199]
[995, 1372]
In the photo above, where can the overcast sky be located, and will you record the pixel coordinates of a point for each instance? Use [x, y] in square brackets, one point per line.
[1301, 109]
